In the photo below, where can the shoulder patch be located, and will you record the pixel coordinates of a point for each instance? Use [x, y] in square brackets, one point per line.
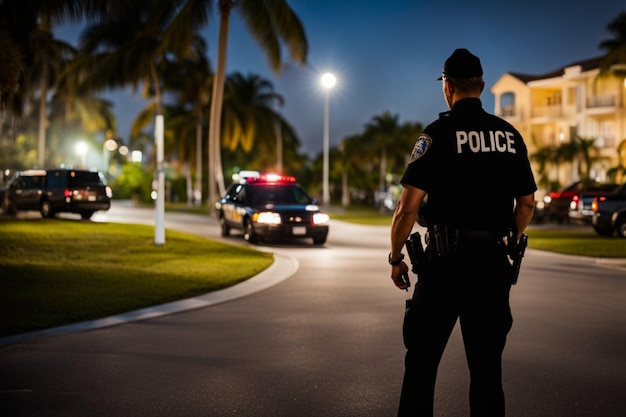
[421, 146]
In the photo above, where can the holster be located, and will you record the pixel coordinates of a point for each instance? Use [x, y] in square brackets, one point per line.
[445, 241]
[415, 249]
[516, 254]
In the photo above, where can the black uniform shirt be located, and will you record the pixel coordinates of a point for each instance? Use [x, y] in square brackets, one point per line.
[472, 164]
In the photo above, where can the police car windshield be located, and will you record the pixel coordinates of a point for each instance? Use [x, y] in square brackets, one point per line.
[276, 194]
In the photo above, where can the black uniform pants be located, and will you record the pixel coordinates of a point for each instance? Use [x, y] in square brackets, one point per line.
[472, 286]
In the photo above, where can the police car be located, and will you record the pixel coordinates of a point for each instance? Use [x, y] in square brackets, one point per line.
[271, 208]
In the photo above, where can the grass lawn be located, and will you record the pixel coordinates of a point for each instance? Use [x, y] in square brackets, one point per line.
[579, 241]
[56, 272]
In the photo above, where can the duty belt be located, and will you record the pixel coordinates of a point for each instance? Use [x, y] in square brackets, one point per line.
[446, 240]
[480, 235]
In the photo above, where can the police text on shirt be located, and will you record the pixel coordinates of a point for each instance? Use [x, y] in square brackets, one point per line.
[498, 141]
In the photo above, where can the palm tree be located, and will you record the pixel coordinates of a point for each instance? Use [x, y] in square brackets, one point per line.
[74, 115]
[587, 151]
[34, 57]
[50, 57]
[391, 140]
[190, 79]
[581, 153]
[614, 62]
[350, 157]
[11, 70]
[249, 111]
[618, 172]
[253, 129]
[130, 47]
[270, 22]
[615, 47]
[544, 157]
[18, 22]
[381, 131]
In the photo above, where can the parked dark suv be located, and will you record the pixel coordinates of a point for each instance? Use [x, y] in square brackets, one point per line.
[58, 190]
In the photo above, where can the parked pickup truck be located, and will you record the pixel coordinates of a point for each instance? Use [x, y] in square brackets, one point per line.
[609, 213]
[580, 211]
[556, 205]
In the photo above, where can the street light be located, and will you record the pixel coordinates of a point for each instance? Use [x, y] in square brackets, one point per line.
[136, 156]
[81, 150]
[328, 81]
[109, 146]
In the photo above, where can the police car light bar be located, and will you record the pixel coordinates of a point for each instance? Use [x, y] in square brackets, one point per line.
[273, 178]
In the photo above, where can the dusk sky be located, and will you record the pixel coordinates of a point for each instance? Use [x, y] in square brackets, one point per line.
[387, 54]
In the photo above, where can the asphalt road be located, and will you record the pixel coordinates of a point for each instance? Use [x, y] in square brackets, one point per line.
[325, 341]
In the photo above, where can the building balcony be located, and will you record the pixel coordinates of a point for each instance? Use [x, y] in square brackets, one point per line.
[547, 112]
[607, 100]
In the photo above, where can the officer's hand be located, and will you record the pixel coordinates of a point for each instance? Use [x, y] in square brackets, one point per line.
[400, 276]
[511, 243]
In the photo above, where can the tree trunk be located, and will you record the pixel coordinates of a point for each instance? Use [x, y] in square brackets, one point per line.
[345, 192]
[43, 123]
[216, 175]
[197, 193]
[383, 169]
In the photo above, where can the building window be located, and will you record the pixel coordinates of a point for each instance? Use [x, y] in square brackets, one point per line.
[507, 105]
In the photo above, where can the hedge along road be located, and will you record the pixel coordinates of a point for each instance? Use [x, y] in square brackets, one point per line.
[327, 342]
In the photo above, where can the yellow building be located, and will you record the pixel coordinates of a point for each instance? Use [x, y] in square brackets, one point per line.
[573, 101]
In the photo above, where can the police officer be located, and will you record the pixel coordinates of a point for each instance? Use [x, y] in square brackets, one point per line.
[472, 170]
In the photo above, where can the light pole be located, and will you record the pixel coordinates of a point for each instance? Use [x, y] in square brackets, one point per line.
[328, 81]
[159, 219]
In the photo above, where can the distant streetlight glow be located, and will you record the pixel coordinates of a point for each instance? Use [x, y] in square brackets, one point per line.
[109, 146]
[81, 150]
[136, 156]
[328, 82]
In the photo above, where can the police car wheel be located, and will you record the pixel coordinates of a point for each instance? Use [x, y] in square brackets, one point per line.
[225, 230]
[248, 232]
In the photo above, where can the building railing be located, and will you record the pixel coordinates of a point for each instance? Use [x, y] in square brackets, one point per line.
[559, 110]
[607, 100]
[547, 111]
[604, 142]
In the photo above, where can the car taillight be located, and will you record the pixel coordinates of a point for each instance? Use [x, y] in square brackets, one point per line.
[594, 204]
[67, 193]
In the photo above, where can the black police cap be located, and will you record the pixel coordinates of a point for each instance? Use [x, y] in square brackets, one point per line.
[462, 64]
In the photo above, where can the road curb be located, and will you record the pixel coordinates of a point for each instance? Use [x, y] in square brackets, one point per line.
[281, 269]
